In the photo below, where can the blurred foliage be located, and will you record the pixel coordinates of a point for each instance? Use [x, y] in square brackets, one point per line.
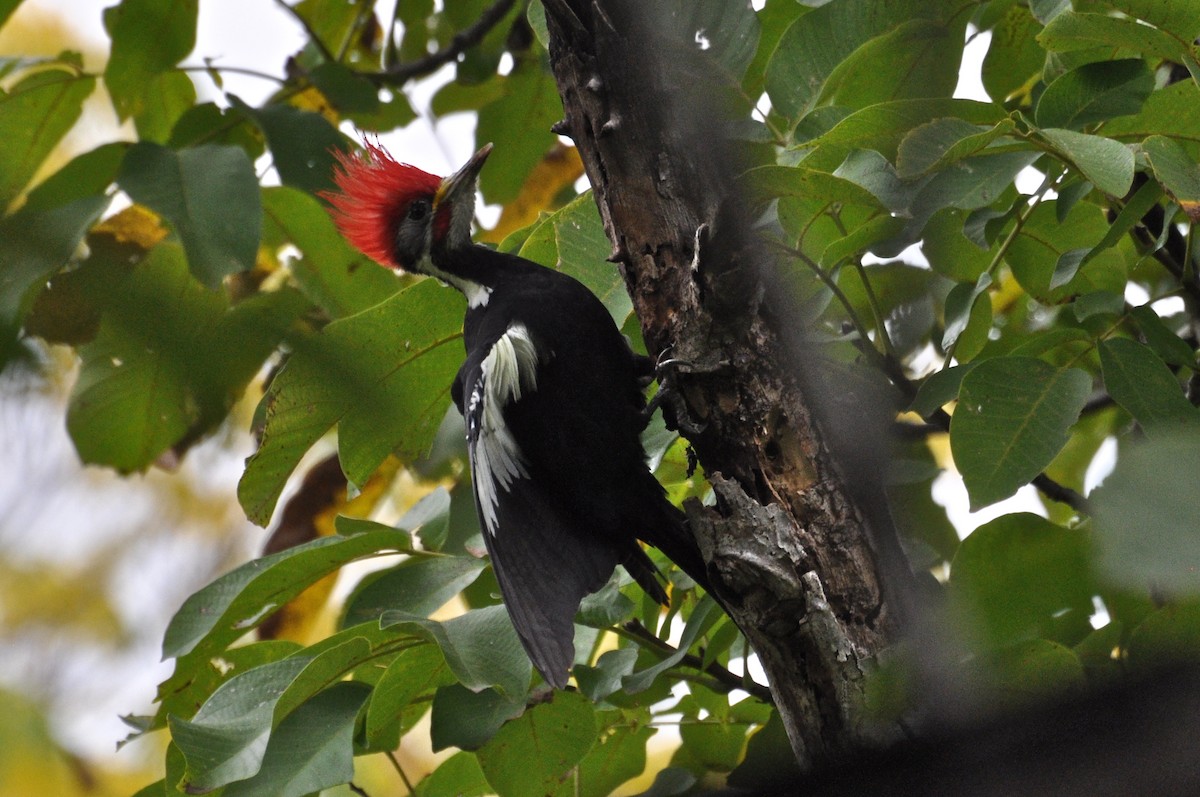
[1041, 299]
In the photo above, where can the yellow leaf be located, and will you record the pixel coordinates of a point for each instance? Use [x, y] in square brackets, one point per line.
[559, 168]
[136, 225]
[311, 99]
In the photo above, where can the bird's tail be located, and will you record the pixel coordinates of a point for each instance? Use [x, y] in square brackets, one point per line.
[670, 534]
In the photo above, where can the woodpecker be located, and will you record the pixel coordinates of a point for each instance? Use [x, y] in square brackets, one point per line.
[552, 397]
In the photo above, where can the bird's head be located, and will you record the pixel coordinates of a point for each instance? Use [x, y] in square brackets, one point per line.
[397, 214]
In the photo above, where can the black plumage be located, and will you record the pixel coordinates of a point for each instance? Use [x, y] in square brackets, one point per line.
[551, 394]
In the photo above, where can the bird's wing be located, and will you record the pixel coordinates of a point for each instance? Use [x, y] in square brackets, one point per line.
[545, 560]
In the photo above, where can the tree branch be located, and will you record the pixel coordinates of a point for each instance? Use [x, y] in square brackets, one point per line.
[798, 540]
[723, 676]
[397, 74]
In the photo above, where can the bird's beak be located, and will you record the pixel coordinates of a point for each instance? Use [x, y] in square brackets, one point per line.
[461, 184]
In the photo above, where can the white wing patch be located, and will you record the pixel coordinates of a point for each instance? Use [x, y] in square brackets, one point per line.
[508, 371]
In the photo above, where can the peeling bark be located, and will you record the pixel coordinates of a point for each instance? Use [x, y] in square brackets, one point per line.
[787, 543]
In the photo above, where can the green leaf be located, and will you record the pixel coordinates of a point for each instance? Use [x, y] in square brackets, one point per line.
[34, 116]
[207, 123]
[949, 252]
[1141, 516]
[706, 613]
[1046, 10]
[1032, 672]
[481, 647]
[168, 96]
[617, 756]
[209, 194]
[605, 677]
[330, 22]
[1177, 171]
[879, 231]
[607, 606]
[227, 737]
[883, 126]
[764, 183]
[430, 519]
[195, 680]
[382, 375]
[1168, 636]
[33, 245]
[968, 184]
[918, 58]
[939, 389]
[1014, 58]
[769, 766]
[148, 38]
[1072, 30]
[518, 123]
[774, 19]
[726, 32]
[1013, 574]
[322, 671]
[1012, 418]
[1165, 343]
[1108, 164]
[1172, 111]
[936, 144]
[1141, 383]
[810, 50]
[417, 586]
[238, 601]
[415, 671]
[531, 755]
[872, 171]
[460, 774]
[960, 308]
[1179, 18]
[302, 144]
[1095, 92]
[311, 750]
[1044, 239]
[334, 275]
[582, 249]
[345, 89]
[467, 720]
[86, 176]
[168, 361]
[1130, 216]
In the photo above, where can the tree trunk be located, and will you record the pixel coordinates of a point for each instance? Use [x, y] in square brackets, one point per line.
[786, 542]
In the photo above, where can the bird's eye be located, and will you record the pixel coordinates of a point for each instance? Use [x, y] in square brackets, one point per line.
[419, 209]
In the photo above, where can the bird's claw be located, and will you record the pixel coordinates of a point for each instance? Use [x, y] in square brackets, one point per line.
[668, 397]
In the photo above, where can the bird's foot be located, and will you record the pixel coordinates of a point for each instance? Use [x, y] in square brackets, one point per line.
[669, 399]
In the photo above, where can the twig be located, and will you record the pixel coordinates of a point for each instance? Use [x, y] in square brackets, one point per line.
[465, 38]
[1061, 493]
[724, 677]
[391, 755]
[312, 34]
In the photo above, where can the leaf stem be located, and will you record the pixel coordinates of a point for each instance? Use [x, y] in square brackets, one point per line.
[312, 34]
[234, 70]
[391, 756]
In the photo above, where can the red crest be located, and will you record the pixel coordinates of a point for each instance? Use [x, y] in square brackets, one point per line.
[374, 192]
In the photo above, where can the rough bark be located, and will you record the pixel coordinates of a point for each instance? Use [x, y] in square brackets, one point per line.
[787, 541]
